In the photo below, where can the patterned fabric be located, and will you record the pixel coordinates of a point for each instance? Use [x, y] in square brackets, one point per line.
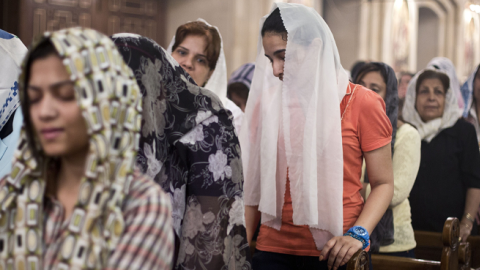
[110, 101]
[189, 146]
[243, 74]
[12, 52]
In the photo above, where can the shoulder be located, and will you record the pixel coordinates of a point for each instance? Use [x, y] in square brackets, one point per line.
[407, 130]
[365, 99]
[143, 190]
[461, 128]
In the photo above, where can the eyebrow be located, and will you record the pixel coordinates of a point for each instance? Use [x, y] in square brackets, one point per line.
[53, 86]
[279, 51]
[189, 50]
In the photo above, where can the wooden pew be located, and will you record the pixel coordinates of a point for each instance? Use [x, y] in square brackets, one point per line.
[430, 245]
[453, 255]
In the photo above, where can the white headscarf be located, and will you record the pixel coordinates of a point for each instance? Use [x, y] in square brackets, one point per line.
[299, 118]
[217, 83]
[444, 64]
[428, 131]
[12, 52]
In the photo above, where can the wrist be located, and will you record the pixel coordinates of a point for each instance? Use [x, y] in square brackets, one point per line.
[468, 217]
[359, 233]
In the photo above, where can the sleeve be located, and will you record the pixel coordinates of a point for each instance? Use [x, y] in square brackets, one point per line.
[213, 234]
[470, 159]
[406, 162]
[148, 240]
[374, 127]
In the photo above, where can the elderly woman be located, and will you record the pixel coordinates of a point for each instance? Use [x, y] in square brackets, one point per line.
[448, 182]
[395, 236]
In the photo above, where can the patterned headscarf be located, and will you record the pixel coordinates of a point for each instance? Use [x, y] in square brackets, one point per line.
[110, 101]
[467, 91]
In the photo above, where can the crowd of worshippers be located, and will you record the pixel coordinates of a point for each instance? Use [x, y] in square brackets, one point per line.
[119, 154]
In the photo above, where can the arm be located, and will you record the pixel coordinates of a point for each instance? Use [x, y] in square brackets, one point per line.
[472, 202]
[252, 217]
[147, 242]
[379, 167]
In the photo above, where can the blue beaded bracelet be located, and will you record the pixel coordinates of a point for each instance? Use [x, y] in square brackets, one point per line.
[359, 233]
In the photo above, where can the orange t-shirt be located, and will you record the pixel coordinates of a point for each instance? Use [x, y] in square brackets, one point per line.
[365, 127]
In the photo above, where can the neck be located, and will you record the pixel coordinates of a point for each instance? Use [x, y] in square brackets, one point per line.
[399, 123]
[72, 169]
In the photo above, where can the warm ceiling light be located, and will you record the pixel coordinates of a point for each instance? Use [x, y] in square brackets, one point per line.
[475, 8]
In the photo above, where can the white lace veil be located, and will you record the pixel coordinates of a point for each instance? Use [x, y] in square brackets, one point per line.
[296, 124]
[217, 83]
[444, 64]
[429, 130]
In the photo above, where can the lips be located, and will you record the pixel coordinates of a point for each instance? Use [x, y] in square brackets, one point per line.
[51, 133]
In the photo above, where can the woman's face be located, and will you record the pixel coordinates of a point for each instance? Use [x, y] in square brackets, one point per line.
[191, 55]
[275, 47]
[430, 101]
[374, 81]
[56, 117]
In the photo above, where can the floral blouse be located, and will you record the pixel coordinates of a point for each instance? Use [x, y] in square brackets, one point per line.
[188, 145]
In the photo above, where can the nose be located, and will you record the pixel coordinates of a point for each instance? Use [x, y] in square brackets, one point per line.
[431, 96]
[47, 109]
[187, 63]
[278, 68]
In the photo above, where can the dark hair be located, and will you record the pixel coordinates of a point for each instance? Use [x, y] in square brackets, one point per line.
[355, 68]
[433, 74]
[211, 35]
[238, 89]
[274, 24]
[370, 67]
[41, 51]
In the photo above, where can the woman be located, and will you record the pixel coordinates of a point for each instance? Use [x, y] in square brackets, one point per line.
[380, 77]
[239, 85]
[198, 48]
[73, 171]
[188, 145]
[471, 96]
[444, 64]
[448, 182]
[306, 189]
[12, 52]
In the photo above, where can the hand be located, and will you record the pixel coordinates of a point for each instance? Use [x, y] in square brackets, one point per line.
[339, 250]
[465, 229]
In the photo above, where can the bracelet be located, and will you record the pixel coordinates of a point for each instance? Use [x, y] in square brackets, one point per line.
[359, 233]
[469, 217]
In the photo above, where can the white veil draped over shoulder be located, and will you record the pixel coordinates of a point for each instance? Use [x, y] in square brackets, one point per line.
[296, 125]
[217, 83]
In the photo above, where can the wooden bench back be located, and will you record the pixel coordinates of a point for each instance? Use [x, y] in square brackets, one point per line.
[452, 254]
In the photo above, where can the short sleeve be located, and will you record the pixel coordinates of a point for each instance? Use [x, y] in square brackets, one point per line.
[374, 127]
[470, 157]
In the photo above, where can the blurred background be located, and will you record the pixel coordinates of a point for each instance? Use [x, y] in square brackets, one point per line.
[403, 33]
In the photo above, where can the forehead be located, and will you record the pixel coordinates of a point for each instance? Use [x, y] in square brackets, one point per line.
[374, 76]
[47, 70]
[273, 42]
[195, 43]
[431, 82]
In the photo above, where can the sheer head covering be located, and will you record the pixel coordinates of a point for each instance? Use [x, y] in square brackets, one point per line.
[217, 83]
[432, 128]
[383, 234]
[301, 118]
[12, 52]
[444, 64]
[110, 101]
[188, 145]
[467, 92]
[243, 74]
